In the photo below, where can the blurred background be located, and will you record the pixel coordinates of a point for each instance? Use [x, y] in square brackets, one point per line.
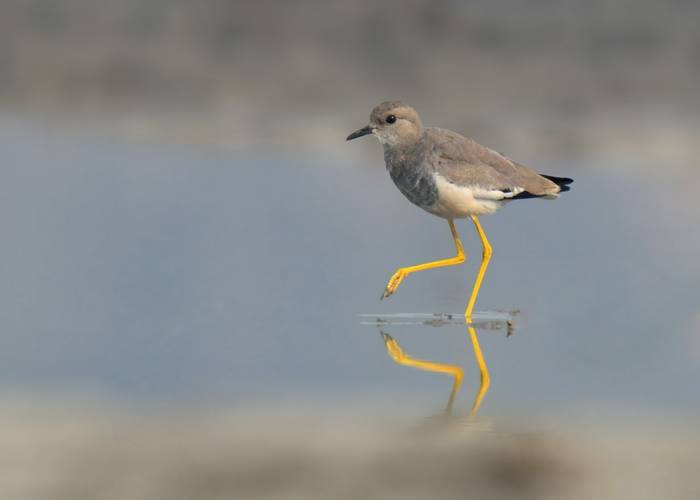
[586, 78]
[189, 245]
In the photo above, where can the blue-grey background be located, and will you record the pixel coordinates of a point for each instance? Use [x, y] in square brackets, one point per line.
[157, 274]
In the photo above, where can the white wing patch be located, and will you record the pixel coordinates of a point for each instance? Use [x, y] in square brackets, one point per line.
[510, 194]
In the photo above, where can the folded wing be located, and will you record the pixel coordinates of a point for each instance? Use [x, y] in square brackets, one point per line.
[464, 162]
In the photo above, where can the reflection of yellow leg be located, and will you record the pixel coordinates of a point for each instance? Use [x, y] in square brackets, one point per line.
[402, 272]
[402, 358]
[482, 269]
[485, 379]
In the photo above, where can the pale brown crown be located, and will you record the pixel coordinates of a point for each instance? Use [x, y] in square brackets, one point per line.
[397, 108]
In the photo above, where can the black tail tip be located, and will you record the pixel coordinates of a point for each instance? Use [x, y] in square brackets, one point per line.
[559, 181]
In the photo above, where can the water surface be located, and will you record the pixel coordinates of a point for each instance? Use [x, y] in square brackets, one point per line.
[156, 275]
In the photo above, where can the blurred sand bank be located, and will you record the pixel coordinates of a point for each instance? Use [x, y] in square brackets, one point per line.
[62, 454]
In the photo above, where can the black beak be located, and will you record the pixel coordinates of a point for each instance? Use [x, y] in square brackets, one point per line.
[359, 133]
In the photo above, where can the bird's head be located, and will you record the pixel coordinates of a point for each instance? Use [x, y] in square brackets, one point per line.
[393, 123]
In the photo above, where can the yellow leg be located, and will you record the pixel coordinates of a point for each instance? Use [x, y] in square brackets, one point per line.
[485, 378]
[486, 256]
[402, 272]
[402, 358]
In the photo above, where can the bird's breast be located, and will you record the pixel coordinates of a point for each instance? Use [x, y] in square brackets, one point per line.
[416, 184]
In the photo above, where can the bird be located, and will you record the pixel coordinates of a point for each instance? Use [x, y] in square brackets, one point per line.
[453, 177]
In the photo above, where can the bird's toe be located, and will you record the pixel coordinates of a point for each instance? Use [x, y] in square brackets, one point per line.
[393, 283]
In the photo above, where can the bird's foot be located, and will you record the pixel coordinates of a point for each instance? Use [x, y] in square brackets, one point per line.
[394, 283]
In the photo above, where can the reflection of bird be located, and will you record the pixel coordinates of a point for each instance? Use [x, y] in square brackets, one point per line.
[452, 177]
[400, 357]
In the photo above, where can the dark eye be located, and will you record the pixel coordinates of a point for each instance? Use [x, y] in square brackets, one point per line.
[390, 119]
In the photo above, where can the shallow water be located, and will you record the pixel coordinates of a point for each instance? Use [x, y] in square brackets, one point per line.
[154, 275]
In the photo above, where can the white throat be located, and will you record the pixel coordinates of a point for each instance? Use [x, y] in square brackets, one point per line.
[387, 138]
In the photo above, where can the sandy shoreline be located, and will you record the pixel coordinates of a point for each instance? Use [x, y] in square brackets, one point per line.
[80, 453]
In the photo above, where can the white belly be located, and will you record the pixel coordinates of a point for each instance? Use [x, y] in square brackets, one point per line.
[455, 202]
